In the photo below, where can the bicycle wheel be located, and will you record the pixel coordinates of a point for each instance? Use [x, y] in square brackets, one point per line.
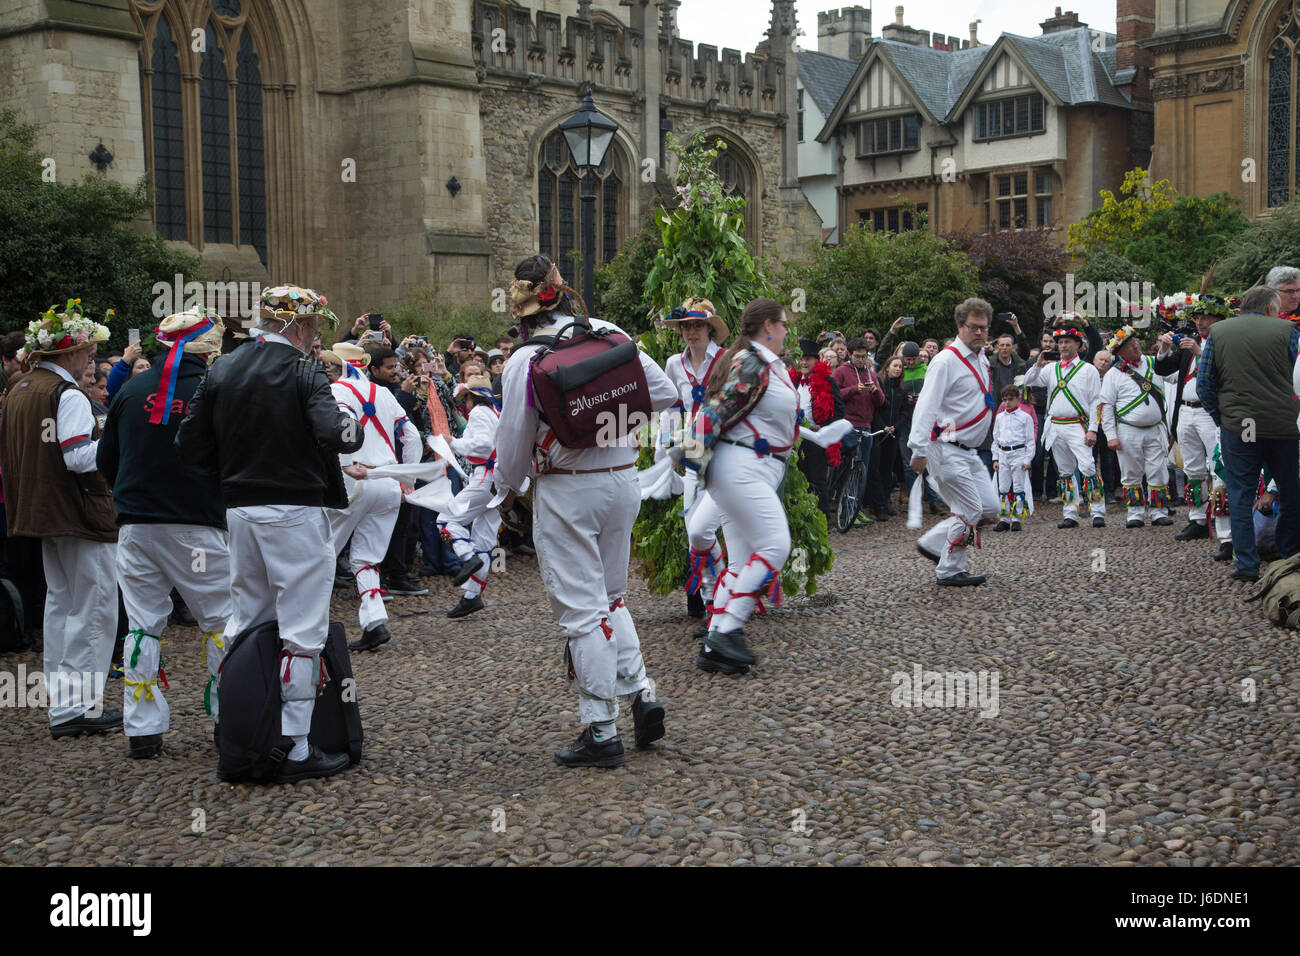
[846, 510]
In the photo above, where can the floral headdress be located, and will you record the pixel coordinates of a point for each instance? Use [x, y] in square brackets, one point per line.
[56, 332]
[1121, 337]
[289, 302]
[529, 298]
[1210, 304]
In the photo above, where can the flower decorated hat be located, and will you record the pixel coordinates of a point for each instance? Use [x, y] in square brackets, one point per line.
[1210, 304]
[56, 332]
[528, 298]
[1120, 338]
[290, 302]
[699, 310]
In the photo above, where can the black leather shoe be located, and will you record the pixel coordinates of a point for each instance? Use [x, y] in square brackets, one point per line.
[928, 555]
[648, 716]
[962, 580]
[1163, 521]
[586, 752]
[1239, 575]
[1099, 521]
[695, 605]
[714, 663]
[1067, 523]
[371, 638]
[466, 605]
[1015, 525]
[317, 764]
[1134, 523]
[1225, 551]
[106, 723]
[467, 570]
[880, 514]
[216, 736]
[732, 646]
[150, 745]
[404, 585]
[1193, 532]
[1002, 526]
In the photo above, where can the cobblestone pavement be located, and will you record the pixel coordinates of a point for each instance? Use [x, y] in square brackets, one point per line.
[1121, 734]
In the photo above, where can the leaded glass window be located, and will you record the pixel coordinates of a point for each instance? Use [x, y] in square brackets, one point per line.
[168, 147]
[559, 205]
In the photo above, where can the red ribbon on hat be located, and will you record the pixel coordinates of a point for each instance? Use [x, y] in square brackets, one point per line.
[162, 411]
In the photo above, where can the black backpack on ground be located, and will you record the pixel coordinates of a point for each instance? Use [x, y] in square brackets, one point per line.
[248, 687]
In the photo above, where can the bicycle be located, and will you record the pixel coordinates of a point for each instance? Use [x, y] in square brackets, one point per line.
[850, 485]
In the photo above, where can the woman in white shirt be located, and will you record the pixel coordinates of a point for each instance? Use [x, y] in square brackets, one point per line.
[744, 435]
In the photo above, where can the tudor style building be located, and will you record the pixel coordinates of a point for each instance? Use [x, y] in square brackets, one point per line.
[1022, 133]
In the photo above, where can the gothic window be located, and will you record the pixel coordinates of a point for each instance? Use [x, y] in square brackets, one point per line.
[201, 88]
[738, 180]
[1283, 123]
[559, 205]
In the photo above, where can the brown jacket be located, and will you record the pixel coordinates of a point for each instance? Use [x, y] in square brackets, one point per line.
[42, 498]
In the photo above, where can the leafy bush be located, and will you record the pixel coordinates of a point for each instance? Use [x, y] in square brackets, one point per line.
[79, 240]
[1274, 241]
[1014, 269]
[871, 278]
[621, 292]
[424, 311]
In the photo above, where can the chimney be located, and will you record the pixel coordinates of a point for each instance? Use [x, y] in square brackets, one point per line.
[974, 32]
[1135, 21]
[844, 33]
[1069, 20]
[898, 16]
[901, 33]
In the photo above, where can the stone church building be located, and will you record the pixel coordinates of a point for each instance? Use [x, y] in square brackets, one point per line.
[368, 147]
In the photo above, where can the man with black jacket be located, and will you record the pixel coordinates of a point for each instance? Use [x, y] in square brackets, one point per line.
[396, 566]
[172, 527]
[265, 420]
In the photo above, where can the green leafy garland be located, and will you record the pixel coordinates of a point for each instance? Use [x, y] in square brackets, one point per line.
[704, 254]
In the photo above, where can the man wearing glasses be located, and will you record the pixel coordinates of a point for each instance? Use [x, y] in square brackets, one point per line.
[1285, 280]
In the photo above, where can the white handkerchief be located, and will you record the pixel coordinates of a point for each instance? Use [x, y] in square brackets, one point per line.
[914, 503]
[440, 448]
[828, 434]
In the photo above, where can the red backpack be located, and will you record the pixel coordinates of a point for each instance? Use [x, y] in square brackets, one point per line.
[589, 384]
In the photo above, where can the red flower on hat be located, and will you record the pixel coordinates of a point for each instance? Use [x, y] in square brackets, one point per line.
[547, 295]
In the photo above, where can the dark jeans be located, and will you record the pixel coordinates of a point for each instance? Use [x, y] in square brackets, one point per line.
[401, 547]
[882, 472]
[812, 462]
[1242, 461]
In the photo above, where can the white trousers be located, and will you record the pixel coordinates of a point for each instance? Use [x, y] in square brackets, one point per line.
[1197, 438]
[151, 560]
[703, 516]
[582, 528]
[282, 567]
[475, 531]
[368, 520]
[1070, 451]
[1143, 452]
[1012, 479]
[755, 528]
[966, 488]
[80, 623]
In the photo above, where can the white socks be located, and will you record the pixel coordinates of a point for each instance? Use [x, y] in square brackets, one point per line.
[300, 749]
[600, 732]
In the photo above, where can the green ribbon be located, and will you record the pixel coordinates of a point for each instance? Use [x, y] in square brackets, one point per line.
[138, 633]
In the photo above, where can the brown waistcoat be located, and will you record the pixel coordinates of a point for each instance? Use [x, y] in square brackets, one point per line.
[42, 498]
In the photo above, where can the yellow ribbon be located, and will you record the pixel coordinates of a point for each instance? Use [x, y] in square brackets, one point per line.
[143, 686]
[216, 639]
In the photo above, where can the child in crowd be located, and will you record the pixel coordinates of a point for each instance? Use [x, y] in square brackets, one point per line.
[1015, 432]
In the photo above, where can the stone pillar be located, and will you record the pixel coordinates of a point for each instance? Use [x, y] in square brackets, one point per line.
[73, 66]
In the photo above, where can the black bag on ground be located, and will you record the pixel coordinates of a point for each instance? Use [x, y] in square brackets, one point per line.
[249, 691]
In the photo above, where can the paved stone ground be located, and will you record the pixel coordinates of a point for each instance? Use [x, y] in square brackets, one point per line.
[1120, 691]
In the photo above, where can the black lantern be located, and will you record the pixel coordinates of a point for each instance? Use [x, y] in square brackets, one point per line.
[588, 134]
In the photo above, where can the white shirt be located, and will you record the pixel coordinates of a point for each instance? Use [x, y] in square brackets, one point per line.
[389, 419]
[684, 379]
[75, 424]
[1085, 387]
[952, 397]
[776, 416]
[1011, 429]
[521, 428]
[480, 438]
[1118, 389]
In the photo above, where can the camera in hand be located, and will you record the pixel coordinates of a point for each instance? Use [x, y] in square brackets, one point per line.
[908, 320]
[1004, 316]
[376, 319]
[1052, 355]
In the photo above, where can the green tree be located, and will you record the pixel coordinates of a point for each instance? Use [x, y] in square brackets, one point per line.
[425, 311]
[1014, 268]
[1274, 241]
[702, 252]
[872, 277]
[621, 290]
[61, 240]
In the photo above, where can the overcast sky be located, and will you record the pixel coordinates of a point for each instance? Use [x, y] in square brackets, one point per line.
[740, 24]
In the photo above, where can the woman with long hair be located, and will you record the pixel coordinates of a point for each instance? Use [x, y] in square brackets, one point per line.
[744, 434]
[895, 417]
[701, 329]
[585, 501]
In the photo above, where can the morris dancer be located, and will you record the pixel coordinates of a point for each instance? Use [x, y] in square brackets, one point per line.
[1015, 435]
[701, 329]
[949, 423]
[172, 527]
[585, 501]
[742, 467]
[1133, 411]
[472, 527]
[1198, 437]
[1071, 427]
[373, 504]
